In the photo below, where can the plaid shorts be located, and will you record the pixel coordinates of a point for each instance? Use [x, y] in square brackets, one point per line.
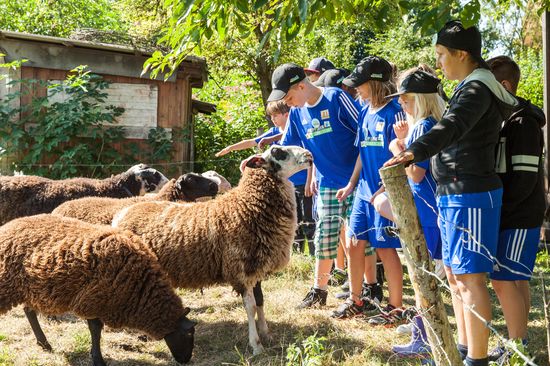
[331, 216]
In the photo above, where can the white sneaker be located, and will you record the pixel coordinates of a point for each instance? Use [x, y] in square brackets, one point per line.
[405, 328]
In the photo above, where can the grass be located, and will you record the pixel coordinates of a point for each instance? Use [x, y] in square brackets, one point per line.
[222, 334]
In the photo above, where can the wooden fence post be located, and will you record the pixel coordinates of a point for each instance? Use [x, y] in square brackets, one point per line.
[416, 254]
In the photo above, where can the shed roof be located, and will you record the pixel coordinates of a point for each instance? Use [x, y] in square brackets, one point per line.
[61, 53]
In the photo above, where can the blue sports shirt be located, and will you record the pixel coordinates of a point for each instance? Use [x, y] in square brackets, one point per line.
[374, 135]
[327, 129]
[424, 192]
[297, 179]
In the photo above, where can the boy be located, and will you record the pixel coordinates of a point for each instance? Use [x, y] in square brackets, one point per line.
[324, 121]
[317, 67]
[278, 112]
[519, 165]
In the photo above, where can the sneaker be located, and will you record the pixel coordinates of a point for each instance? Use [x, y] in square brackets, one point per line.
[345, 286]
[348, 309]
[338, 277]
[372, 296]
[390, 316]
[496, 353]
[314, 296]
[405, 328]
[342, 295]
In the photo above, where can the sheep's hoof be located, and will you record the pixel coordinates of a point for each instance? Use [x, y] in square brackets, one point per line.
[266, 337]
[258, 350]
[45, 346]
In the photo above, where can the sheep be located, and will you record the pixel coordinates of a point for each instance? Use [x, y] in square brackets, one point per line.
[105, 275]
[101, 210]
[31, 195]
[238, 238]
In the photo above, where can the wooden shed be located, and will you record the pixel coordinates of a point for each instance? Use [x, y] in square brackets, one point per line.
[148, 102]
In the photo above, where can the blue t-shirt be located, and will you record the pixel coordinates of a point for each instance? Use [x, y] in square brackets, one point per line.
[298, 179]
[327, 129]
[424, 192]
[374, 135]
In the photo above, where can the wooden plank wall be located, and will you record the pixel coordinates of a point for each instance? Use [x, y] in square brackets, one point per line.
[174, 104]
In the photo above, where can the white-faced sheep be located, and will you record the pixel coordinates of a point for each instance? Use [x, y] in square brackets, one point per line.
[101, 210]
[31, 195]
[105, 275]
[238, 238]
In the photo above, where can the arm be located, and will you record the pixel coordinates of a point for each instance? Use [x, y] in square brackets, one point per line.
[244, 144]
[269, 140]
[311, 182]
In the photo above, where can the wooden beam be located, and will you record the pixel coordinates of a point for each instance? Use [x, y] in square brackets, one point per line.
[546, 63]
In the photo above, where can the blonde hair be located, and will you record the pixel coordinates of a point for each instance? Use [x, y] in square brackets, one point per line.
[379, 90]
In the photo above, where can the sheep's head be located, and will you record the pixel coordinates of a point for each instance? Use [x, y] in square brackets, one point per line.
[191, 186]
[181, 341]
[151, 179]
[223, 184]
[283, 161]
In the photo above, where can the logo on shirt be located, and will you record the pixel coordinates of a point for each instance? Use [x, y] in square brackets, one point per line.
[379, 126]
[318, 128]
[456, 260]
[325, 114]
[315, 123]
[373, 141]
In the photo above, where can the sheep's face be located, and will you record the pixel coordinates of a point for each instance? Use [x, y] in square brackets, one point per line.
[181, 341]
[151, 179]
[191, 186]
[282, 160]
[223, 184]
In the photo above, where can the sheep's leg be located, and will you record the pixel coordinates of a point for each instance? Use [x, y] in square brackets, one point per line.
[37, 330]
[96, 326]
[250, 306]
[261, 322]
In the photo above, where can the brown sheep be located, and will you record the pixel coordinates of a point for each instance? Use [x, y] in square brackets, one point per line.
[31, 195]
[101, 210]
[238, 238]
[54, 265]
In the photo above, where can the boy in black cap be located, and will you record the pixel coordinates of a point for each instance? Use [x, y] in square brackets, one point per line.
[520, 167]
[317, 67]
[324, 121]
[469, 192]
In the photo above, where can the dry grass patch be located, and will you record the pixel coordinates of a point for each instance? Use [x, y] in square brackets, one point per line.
[222, 333]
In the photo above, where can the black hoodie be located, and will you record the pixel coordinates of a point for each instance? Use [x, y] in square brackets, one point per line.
[520, 167]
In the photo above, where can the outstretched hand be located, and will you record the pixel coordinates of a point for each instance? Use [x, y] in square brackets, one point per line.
[404, 157]
[401, 129]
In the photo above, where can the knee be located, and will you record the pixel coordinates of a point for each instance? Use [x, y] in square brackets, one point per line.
[471, 282]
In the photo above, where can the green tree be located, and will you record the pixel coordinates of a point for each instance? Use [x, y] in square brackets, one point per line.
[58, 17]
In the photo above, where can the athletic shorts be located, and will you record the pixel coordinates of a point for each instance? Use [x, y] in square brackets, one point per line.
[331, 216]
[469, 225]
[516, 254]
[433, 241]
[367, 224]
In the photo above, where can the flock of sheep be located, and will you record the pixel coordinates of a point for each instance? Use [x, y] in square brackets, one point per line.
[108, 253]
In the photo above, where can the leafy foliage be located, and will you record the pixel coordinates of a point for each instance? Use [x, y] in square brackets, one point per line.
[311, 352]
[57, 18]
[76, 134]
[531, 85]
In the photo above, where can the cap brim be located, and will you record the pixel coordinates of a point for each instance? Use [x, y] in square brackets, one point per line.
[352, 81]
[276, 95]
[396, 94]
[312, 70]
[482, 63]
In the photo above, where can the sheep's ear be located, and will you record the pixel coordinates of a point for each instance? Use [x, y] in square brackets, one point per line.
[255, 162]
[186, 311]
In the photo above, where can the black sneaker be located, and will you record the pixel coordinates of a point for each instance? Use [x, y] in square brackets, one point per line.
[390, 316]
[372, 295]
[348, 309]
[314, 296]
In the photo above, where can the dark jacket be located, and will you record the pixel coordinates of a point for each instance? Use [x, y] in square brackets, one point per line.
[520, 167]
[465, 138]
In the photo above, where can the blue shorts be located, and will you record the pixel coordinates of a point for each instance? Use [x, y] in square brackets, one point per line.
[433, 241]
[516, 254]
[469, 225]
[365, 223]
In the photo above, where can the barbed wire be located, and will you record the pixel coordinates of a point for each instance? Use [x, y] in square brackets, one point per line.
[181, 162]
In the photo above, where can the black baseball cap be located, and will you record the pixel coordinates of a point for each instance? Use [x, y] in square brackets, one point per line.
[335, 77]
[283, 78]
[420, 82]
[454, 35]
[369, 68]
[319, 65]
